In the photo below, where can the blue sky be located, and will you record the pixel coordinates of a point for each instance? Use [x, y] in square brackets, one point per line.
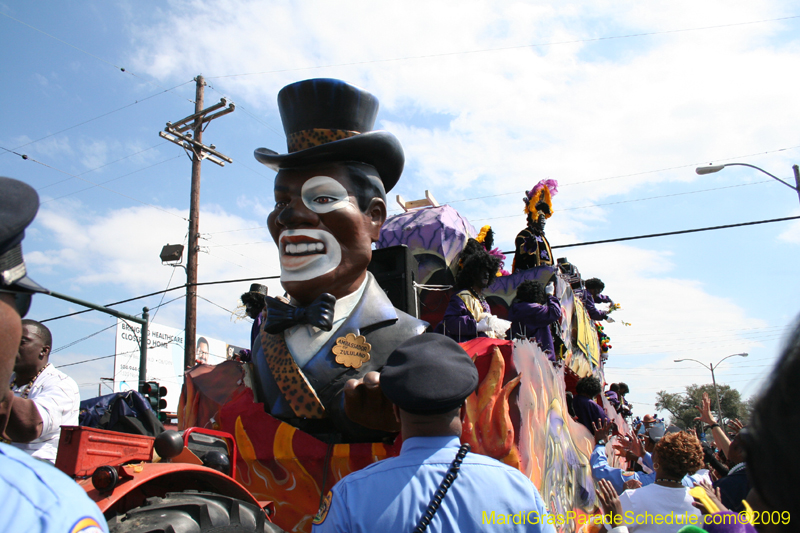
[621, 123]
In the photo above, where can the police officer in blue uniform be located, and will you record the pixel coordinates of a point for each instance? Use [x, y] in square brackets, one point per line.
[36, 497]
[428, 378]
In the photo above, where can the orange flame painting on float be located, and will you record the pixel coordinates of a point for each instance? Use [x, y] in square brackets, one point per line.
[516, 415]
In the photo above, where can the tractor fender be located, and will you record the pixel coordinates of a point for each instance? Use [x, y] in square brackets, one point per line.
[138, 482]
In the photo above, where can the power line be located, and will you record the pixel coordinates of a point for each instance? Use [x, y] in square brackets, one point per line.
[690, 165]
[99, 117]
[216, 304]
[553, 247]
[90, 360]
[73, 343]
[505, 48]
[620, 239]
[113, 179]
[240, 108]
[98, 168]
[27, 158]
[121, 69]
[640, 199]
[161, 292]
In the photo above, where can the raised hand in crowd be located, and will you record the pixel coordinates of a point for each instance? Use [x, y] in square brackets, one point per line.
[713, 496]
[609, 501]
[705, 411]
[735, 425]
[630, 447]
[602, 431]
[720, 438]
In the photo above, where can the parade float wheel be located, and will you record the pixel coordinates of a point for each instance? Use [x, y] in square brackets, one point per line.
[193, 512]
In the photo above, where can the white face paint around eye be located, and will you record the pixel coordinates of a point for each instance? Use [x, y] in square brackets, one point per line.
[307, 254]
[323, 194]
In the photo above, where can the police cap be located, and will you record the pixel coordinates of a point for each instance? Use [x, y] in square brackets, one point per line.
[429, 374]
[18, 205]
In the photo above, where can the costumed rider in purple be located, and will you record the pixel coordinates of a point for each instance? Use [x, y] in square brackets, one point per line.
[531, 246]
[468, 314]
[590, 296]
[330, 204]
[532, 311]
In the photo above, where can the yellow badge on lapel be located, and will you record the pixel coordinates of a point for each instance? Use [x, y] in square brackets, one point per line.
[352, 350]
[323, 509]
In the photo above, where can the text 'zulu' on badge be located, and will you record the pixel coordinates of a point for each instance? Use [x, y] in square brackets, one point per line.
[352, 350]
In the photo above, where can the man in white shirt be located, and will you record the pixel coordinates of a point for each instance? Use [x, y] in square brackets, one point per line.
[46, 398]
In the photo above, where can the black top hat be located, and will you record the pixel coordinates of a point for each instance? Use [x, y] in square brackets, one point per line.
[18, 205]
[330, 121]
[429, 374]
[258, 288]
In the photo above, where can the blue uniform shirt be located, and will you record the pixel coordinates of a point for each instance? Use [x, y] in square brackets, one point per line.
[38, 498]
[602, 470]
[392, 494]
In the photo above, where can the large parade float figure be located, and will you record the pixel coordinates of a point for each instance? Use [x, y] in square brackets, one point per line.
[308, 410]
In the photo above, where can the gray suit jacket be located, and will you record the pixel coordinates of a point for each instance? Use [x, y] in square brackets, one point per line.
[385, 328]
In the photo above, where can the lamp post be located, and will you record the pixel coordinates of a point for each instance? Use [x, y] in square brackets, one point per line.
[716, 168]
[713, 379]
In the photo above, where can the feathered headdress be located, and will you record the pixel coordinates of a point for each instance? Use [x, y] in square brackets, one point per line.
[543, 192]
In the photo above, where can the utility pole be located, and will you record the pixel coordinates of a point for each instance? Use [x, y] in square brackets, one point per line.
[797, 178]
[178, 133]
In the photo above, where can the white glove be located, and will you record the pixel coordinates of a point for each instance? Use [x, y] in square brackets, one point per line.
[609, 319]
[550, 289]
[499, 326]
[483, 324]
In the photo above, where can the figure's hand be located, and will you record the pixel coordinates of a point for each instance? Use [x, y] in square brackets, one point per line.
[601, 430]
[632, 484]
[735, 425]
[609, 501]
[705, 411]
[550, 290]
[483, 324]
[365, 404]
[610, 320]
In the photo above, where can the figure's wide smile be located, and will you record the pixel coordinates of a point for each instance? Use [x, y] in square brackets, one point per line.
[301, 245]
[306, 254]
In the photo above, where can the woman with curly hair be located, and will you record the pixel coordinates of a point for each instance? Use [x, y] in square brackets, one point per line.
[467, 315]
[667, 500]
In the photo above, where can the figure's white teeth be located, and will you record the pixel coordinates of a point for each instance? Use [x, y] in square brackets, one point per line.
[303, 248]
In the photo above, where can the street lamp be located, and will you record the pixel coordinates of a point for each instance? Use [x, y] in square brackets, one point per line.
[712, 367]
[716, 168]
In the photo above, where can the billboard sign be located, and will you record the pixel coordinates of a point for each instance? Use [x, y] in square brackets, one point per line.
[165, 348]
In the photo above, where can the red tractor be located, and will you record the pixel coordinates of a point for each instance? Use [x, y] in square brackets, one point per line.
[173, 483]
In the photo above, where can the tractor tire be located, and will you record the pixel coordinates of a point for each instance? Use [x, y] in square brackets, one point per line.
[193, 512]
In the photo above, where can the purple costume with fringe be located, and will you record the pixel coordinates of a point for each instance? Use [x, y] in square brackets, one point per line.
[532, 321]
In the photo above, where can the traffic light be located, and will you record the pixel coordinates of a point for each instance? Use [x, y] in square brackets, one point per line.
[155, 397]
[162, 404]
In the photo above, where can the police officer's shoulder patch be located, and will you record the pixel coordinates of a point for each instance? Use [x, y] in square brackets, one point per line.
[87, 524]
[324, 508]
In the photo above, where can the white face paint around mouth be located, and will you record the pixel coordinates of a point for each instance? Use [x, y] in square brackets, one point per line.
[307, 254]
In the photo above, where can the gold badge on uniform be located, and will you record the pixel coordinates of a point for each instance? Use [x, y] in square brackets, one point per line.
[323, 509]
[352, 350]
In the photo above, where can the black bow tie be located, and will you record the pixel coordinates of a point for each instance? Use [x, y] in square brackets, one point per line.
[281, 316]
